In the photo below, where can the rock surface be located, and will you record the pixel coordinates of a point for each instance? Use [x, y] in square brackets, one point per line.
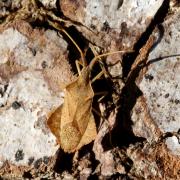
[156, 114]
[138, 129]
[31, 81]
[50, 4]
[112, 22]
[160, 83]
[112, 25]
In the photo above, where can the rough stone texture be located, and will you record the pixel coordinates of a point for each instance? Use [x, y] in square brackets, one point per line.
[173, 145]
[115, 23]
[31, 60]
[160, 83]
[112, 25]
[153, 162]
[50, 4]
[105, 157]
[5, 6]
[111, 161]
[156, 113]
[143, 125]
[36, 59]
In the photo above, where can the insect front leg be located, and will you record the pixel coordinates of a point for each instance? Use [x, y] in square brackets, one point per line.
[78, 63]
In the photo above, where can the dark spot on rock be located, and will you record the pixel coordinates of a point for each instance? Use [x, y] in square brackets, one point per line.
[38, 163]
[34, 52]
[2, 105]
[149, 77]
[124, 30]
[177, 101]
[4, 1]
[158, 105]
[19, 155]
[153, 94]
[170, 33]
[92, 26]
[166, 95]
[16, 105]
[105, 27]
[30, 160]
[3, 90]
[5, 87]
[171, 100]
[173, 119]
[45, 160]
[138, 110]
[44, 64]
[178, 172]
[123, 26]
[119, 4]
[159, 162]
[27, 175]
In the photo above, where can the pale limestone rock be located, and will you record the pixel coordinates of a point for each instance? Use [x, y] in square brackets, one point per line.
[112, 25]
[28, 92]
[173, 145]
[157, 111]
[120, 22]
[50, 4]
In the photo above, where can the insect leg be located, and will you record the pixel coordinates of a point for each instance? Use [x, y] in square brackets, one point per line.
[59, 28]
[98, 58]
[78, 63]
[102, 93]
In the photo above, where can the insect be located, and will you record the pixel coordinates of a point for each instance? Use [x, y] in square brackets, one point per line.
[72, 123]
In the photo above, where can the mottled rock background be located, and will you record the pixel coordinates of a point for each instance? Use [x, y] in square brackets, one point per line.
[139, 127]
